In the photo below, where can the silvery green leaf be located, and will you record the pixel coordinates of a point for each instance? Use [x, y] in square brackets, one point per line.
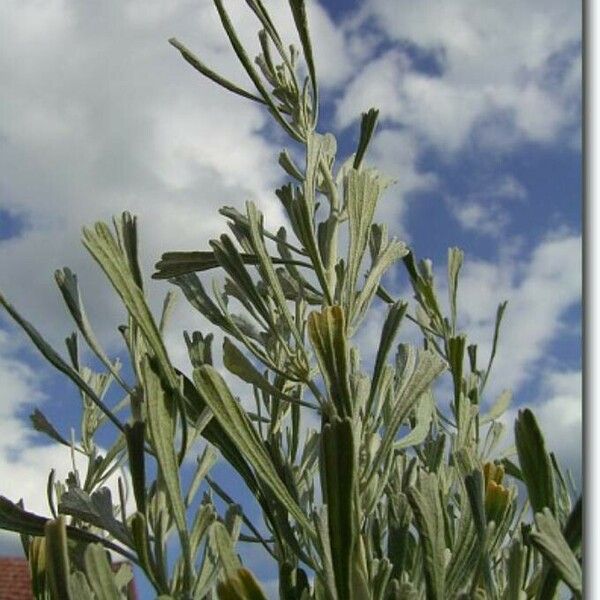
[233, 419]
[499, 314]
[67, 283]
[230, 259]
[117, 265]
[388, 335]
[96, 509]
[314, 153]
[199, 347]
[289, 166]
[425, 502]
[327, 332]
[193, 60]
[492, 437]
[515, 572]
[134, 435]
[268, 272]
[247, 64]
[176, 264]
[80, 587]
[204, 463]
[100, 574]
[499, 407]
[139, 533]
[204, 518]
[55, 360]
[247, 328]
[57, 559]
[465, 550]
[127, 239]
[167, 310]
[474, 484]
[339, 482]
[301, 216]
[325, 577]
[224, 545]
[536, 467]
[36, 557]
[571, 531]
[423, 414]
[422, 367]
[550, 541]
[299, 13]
[455, 261]
[40, 423]
[424, 289]
[284, 249]
[456, 354]
[403, 591]
[361, 194]
[160, 423]
[218, 436]
[294, 289]
[236, 362]
[14, 518]
[388, 256]
[123, 575]
[240, 585]
[367, 128]
[399, 536]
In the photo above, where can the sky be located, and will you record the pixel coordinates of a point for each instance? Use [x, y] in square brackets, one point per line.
[480, 127]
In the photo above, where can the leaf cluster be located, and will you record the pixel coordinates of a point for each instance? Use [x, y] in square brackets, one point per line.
[373, 484]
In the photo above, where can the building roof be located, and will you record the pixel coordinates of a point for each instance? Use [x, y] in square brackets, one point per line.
[15, 581]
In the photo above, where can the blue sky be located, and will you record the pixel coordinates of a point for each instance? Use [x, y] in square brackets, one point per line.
[480, 126]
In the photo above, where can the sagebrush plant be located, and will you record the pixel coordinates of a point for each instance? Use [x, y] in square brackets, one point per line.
[395, 495]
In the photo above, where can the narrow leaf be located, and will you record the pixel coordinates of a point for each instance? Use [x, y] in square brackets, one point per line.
[299, 12]
[327, 332]
[56, 361]
[234, 420]
[367, 128]
[551, 542]
[536, 466]
[57, 559]
[193, 60]
[429, 515]
[388, 335]
[339, 489]
[160, 427]
[100, 574]
[455, 261]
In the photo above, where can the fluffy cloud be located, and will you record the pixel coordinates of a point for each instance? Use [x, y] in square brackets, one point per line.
[539, 289]
[484, 211]
[494, 74]
[24, 462]
[558, 411]
[101, 115]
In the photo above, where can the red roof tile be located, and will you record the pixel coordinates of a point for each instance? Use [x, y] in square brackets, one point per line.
[15, 581]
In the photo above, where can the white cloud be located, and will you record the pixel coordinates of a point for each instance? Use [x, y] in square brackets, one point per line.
[517, 63]
[484, 211]
[539, 290]
[25, 457]
[101, 115]
[559, 411]
[395, 153]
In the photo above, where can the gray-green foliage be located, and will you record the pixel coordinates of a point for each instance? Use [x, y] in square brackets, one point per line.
[370, 486]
